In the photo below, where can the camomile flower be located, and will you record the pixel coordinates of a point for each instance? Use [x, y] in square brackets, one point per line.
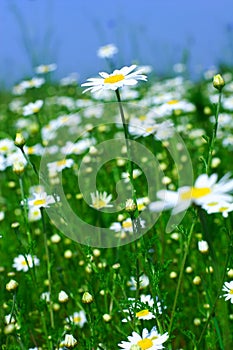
[115, 80]
[78, 318]
[34, 214]
[222, 207]
[32, 108]
[125, 175]
[228, 287]
[107, 51]
[23, 263]
[205, 190]
[58, 166]
[32, 83]
[141, 310]
[45, 68]
[148, 340]
[100, 200]
[41, 200]
[143, 282]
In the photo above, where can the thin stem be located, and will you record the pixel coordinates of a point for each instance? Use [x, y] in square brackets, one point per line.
[181, 276]
[25, 212]
[211, 314]
[214, 134]
[29, 161]
[48, 268]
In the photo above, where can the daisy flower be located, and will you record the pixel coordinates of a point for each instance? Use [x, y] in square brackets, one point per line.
[100, 200]
[32, 107]
[115, 80]
[228, 287]
[222, 207]
[143, 281]
[58, 166]
[141, 310]
[23, 263]
[205, 190]
[32, 83]
[45, 68]
[41, 200]
[78, 318]
[107, 51]
[148, 340]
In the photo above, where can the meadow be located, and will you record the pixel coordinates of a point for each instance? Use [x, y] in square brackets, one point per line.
[116, 211]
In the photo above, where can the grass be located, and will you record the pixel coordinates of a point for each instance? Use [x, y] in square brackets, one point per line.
[77, 251]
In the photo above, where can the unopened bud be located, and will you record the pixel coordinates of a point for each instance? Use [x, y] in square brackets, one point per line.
[87, 298]
[218, 82]
[130, 206]
[63, 297]
[70, 342]
[12, 285]
[19, 140]
[18, 168]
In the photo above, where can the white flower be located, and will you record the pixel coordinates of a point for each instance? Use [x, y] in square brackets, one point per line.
[34, 214]
[58, 166]
[100, 200]
[141, 310]
[70, 342]
[143, 282]
[41, 200]
[205, 190]
[107, 51]
[149, 340]
[203, 246]
[126, 177]
[222, 207]
[45, 68]
[117, 79]
[78, 318]
[228, 287]
[32, 107]
[32, 83]
[125, 226]
[63, 297]
[23, 263]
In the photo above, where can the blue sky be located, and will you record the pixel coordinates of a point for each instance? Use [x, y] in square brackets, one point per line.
[69, 32]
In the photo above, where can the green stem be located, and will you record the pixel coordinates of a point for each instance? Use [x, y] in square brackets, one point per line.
[25, 212]
[181, 276]
[48, 268]
[211, 314]
[214, 134]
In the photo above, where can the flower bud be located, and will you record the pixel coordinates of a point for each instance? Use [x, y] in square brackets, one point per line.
[18, 168]
[63, 297]
[218, 82]
[130, 206]
[19, 140]
[12, 285]
[70, 342]
[87, 298]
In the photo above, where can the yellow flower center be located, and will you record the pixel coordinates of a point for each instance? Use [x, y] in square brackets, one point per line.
[35, 109]
[142, 313]
[24, 263]
[149, 129]
[39, 202]
[195, 193]
[31, 150]
[145, 343]
[172, 102]
[127, 224]
[61, 162]
[142, 117]
[77, 319]
[4, 148]
[231, 291]
[223, 209]
[112, 79]
[212, 204]
[99, 203]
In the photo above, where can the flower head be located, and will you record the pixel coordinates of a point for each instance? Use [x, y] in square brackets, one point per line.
[107, 51]
[100, 200]
[205, 190]
[148, 340]
[115, 80]
[41, 200]
[45, 68]
[23, 263]
[78, 318]
[228, 287]
[32, 107]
